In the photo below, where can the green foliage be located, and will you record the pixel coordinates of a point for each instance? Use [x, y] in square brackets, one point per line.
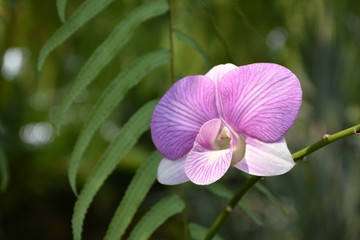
[4, 171]
[134, 195]
[118, 148]
[107, 51]
[221, 191]
[156, 216]
[264, 190]
[108, 101]
[82, 15]
[191, 42]
[61, 5]
[198, 232]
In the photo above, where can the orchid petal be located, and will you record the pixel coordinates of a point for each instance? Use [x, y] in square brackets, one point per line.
[205, 165]
[176, 120]
[171, 172]
[218, 71]
[261, 100]
[266, 159]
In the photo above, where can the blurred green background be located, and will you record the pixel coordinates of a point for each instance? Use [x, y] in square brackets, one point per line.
[319, 40]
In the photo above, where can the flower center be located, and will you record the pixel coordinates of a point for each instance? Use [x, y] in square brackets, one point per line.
[223, 139]
[226, 137]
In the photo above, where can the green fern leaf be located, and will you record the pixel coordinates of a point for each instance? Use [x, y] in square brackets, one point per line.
[107, 51]
[198, 232]
[156, 216]
[134, 195]
[191, 42]
[60, 5]
[118, 148]
[82, 15]
[4, 171]
[108, 101]
[221, 191]
[264, 190]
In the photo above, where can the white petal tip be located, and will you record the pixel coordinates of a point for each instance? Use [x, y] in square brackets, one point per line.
[171, 172]
[266, 159]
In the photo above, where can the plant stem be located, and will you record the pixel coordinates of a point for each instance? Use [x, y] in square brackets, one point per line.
[327, 139]
[299, 155]
[171, 39]
[229, 208]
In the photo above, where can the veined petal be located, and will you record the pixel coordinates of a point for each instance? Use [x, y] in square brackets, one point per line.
[208, 133]
[266, 159]
[205, 167]
[220, 70]
[171, 172]
[204, 164]
[176, 120]
[261, 100]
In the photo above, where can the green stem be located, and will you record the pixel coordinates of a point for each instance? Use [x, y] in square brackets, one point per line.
[171, 39]
[229, 208]
[299, 155]
[327, 139]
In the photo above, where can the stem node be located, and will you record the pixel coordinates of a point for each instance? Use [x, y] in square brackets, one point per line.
[229, 209]
[326, 136]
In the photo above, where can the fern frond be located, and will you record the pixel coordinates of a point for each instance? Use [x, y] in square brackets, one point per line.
[61, 5]
[118, 148]
[192, 43]
[264, 190]
[107, 51]
[108, 101]
[134, 195]
[156, 216]
[221, 191]
[88, 10]
[198, 232]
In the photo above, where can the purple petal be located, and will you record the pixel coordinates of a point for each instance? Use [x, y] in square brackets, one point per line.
[176, 120]
[204, 165]
[171, 172]
[261, 100]
[266, 159]
[220, 70]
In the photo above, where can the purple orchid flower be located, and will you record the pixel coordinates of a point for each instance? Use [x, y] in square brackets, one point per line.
[231, 116]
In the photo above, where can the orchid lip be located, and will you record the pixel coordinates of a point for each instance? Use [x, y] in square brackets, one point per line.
[227, 138]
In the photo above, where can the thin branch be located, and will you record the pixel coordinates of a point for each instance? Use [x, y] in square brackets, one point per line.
[327, 139]
[299, 155]
[171, 39]
[229, 208]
